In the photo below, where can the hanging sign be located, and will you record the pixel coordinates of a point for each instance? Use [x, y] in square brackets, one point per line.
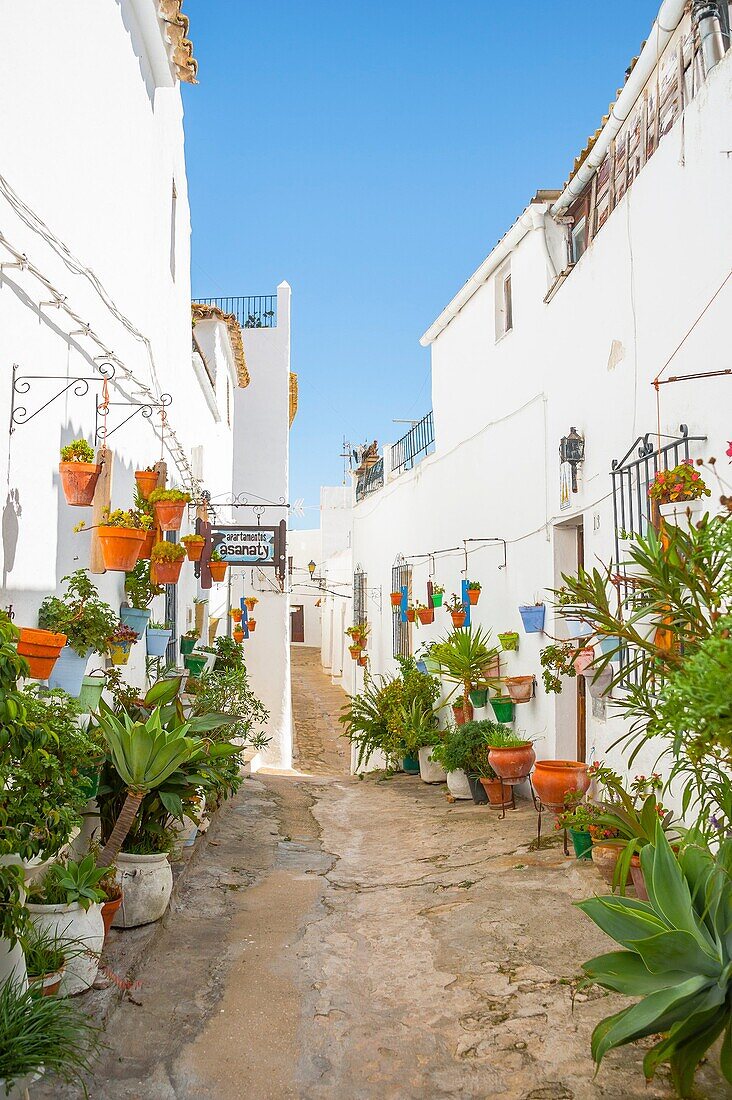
[565, 486]
[247, 545]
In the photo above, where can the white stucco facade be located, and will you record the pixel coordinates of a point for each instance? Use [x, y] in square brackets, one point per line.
[305, 547]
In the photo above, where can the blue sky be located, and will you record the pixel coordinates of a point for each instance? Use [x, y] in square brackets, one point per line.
[372, 154]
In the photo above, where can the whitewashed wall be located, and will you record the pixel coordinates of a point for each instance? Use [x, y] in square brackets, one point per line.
[587, 359]
[304, 547]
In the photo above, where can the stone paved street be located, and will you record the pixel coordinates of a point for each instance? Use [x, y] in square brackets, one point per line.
[359, 939]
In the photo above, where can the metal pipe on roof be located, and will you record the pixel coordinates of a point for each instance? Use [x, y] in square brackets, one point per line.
[669, 16]
[706, 18]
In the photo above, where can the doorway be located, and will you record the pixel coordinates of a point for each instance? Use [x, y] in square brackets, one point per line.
[571, 704]
[297, 623]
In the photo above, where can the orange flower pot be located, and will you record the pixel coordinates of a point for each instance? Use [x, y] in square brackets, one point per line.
[473, 595]
[109, 911]
[584, 658]
[238, 635]
[426, 615]
[252, 624]
[396, 599]
[553, 779]
[194, 550]
[250, 602]
[462, 712]
[458, 618]
[355, 651]
[520, 688]
[78, 481]
[512, 763]
[495, 791]
[147, 544]
[363, 660]
[236, 614]
[218, 570]
[120, 547]
[411, 614]
[168, 572]
[40, 649]
[147, 480]
[169, 514]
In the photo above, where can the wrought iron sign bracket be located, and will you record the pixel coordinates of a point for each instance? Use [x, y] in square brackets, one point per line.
[102, 432]
[78, 386]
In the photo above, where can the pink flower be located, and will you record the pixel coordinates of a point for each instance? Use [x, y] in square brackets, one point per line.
[729, 447]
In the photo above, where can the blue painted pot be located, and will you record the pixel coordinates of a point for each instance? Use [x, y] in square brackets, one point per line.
[157, 642]
[421, 666]
[609, 644]
[576, 628]
[533, 618]
[91, 693]
[68, 672]
[136, 618]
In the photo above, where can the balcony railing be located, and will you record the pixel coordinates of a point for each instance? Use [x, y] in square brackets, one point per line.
[370, 481]
[418, 441]
[254, 311]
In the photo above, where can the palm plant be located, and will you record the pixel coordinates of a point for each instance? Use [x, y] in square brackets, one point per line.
[419, 727]
[365, 724]
[463, 658]
[677, 957]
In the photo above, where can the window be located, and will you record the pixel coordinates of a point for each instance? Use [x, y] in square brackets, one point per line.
[503, 301]
[401, 576]
[507, 303]
[173, 224]
[360, 612]
[579, 239]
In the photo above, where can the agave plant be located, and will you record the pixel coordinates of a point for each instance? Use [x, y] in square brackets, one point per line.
[144, 755]
[677, 957]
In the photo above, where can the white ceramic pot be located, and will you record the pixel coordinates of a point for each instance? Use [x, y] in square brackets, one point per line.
[147, 883]
[457, 784]
[77, 926]
[429, 770]
[19, 1087]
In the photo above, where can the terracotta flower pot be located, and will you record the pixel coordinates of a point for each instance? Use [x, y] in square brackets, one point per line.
[41, 649]
[147, 480]
[462, 713]
[458, 618]
[355, 651]
[218, 570]
[120, 547]
[411, 614]
[236, 614]
[363, 660]
[605, 856]
[492, 788]
[169, 514]
[512, 763]
[194, 550]
[250, 602]
[426, 615]
[168, 572]
[109, 909]
[78, 481]
[473, 595]
[252, 624]
[553, 779]
[238, 635]
[147, 545]
[584, 659]
[520, 688]
[396, 599]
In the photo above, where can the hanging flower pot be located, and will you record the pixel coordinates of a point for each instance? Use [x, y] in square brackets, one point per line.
[426, 615]
[157, 640]
[194, 546]
[532, 616]
[553, 779]
[479, 697]
[363, 660]
[195, 664]
[396, 599]
[68, 672]
[610, 644]
[509, 640]
[584, 658]
[167, 561]
[463, 713]
[492, 670]
[578, 628]
[598, 682]
[458, 618]
[147, 480]
[135, 617]
[236, 614]
[120, 652]
[250, 602]
[411, 614]
[120, 547]
[512, 763]
[147, 545]
[474, 592]
[503, 708]
[91, 693]
[188, 642]
[252, 624]
[520, 688]
[238, 634]
[41, 649]
[79, 473]
[167, 572]
[355, 651]
[218, 570]
[169, 505]
[437, 596]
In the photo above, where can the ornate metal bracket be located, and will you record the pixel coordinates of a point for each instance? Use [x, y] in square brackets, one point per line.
[78, 386]
[102, 431]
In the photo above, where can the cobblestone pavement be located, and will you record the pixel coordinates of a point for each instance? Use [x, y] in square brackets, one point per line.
[346, 939]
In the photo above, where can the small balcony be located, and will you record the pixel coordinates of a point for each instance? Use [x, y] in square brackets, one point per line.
[418, 442]
[252, 311]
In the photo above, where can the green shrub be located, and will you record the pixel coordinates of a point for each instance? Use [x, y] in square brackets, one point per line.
[80, 614]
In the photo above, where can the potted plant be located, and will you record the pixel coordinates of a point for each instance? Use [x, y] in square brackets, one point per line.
[250, 602]
[358, 639]
[167, 561]
[411, 613]
[194, 546]
[682, 483]
[426, 615]
[169, 505]
[419, 725]
[396, 599]
[85, 619]
[474, 588]
[456, 752]
[238, 635]
[577, 817]
[195, 663]
[520, 688]
[41, 649]
[236, 614]
[120, 643]
[218, 567]
[252, 625]
[140, 591]
[438, 593]
[90, 695]
[503, 708]
[532, 616]
[509, 640]
[457, 611]
[462, 658]
[553, 780]
[188, 641]
[79, 473]
[112, 891]
[121, 536]
[67, 902]
[479, 696]
[147, 480]
[510, 756]
[45, 958]
[158, 636]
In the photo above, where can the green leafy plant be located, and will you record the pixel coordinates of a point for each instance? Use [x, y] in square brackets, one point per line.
[45, 951]
[374, 719]
[69, 884]
[216, 555]
[168, 551]
[229, 692]
[498, 736]
[419, 727]
[228, 653]
[474, 586]
[132, 519]
[169, 496]
[463, 747]
[438, 589]
[681, 483]
[463, 658]
[677, 956]
[78, 451]
[122, 635]
[578, 815]
[192, 539]
[139, 589]
[157, 626]
[632, 820]
[455, 603]
[80, 614]
[557, 660]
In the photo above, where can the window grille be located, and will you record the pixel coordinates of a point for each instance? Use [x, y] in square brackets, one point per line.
[360, 611]
[401, 575]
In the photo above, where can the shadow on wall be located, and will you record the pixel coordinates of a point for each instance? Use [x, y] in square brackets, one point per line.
[10, 529]
[138, 47]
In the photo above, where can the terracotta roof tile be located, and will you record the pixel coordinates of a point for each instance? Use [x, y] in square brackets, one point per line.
[293, 397]
[176, 30]
[202, 312]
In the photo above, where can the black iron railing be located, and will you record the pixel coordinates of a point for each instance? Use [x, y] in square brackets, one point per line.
[418, 441]
[370, 481]
[254, 311]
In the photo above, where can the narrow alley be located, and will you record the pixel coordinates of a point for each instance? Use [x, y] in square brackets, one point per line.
[349, 938]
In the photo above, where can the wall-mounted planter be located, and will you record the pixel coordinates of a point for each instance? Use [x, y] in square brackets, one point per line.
[41, 649]
[479, 697]
[363, 660]
[503, 708]
[396, 599]
[532, 616]
[577, 628]
[236, 614]
[520, 688]
[135, 617]
[78, 481]
[509, 640]
[147, 545]
[157, 641]
[120, 652]
[167, 572]
[169, 514]
[458, 619]
[584, 658]
[598, 682]
[473, 595]
[411, 614]
[462, 713]
[218, 570]
[437, 599]
[355, 651]
[252, 624]
[512, 763]
[422, 666]
[147, 480]
[238, 635]
[554, 779]
[91, 693]
[68, 671]
[120, 547]
[492, 670]
[195, 664]
[187, 645]
[431, 665]
[610, 644]
[426, 615]
[194, 550]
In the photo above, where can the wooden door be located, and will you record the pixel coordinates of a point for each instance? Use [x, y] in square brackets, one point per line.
[297, 623]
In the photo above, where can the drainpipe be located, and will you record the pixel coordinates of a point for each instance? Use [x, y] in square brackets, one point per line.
[708, 25]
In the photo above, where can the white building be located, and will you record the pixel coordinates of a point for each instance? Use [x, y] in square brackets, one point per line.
[305, 553]
[591, 294]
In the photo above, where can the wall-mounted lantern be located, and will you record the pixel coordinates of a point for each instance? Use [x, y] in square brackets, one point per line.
[572, 450]
[311, 569]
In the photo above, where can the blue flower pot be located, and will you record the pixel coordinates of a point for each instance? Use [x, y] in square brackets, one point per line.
[421, 666]
[68, 672]
[610, 644]
[576, 628]
[91, 693]
[136, 618]
[533, 618]
[157, 642]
